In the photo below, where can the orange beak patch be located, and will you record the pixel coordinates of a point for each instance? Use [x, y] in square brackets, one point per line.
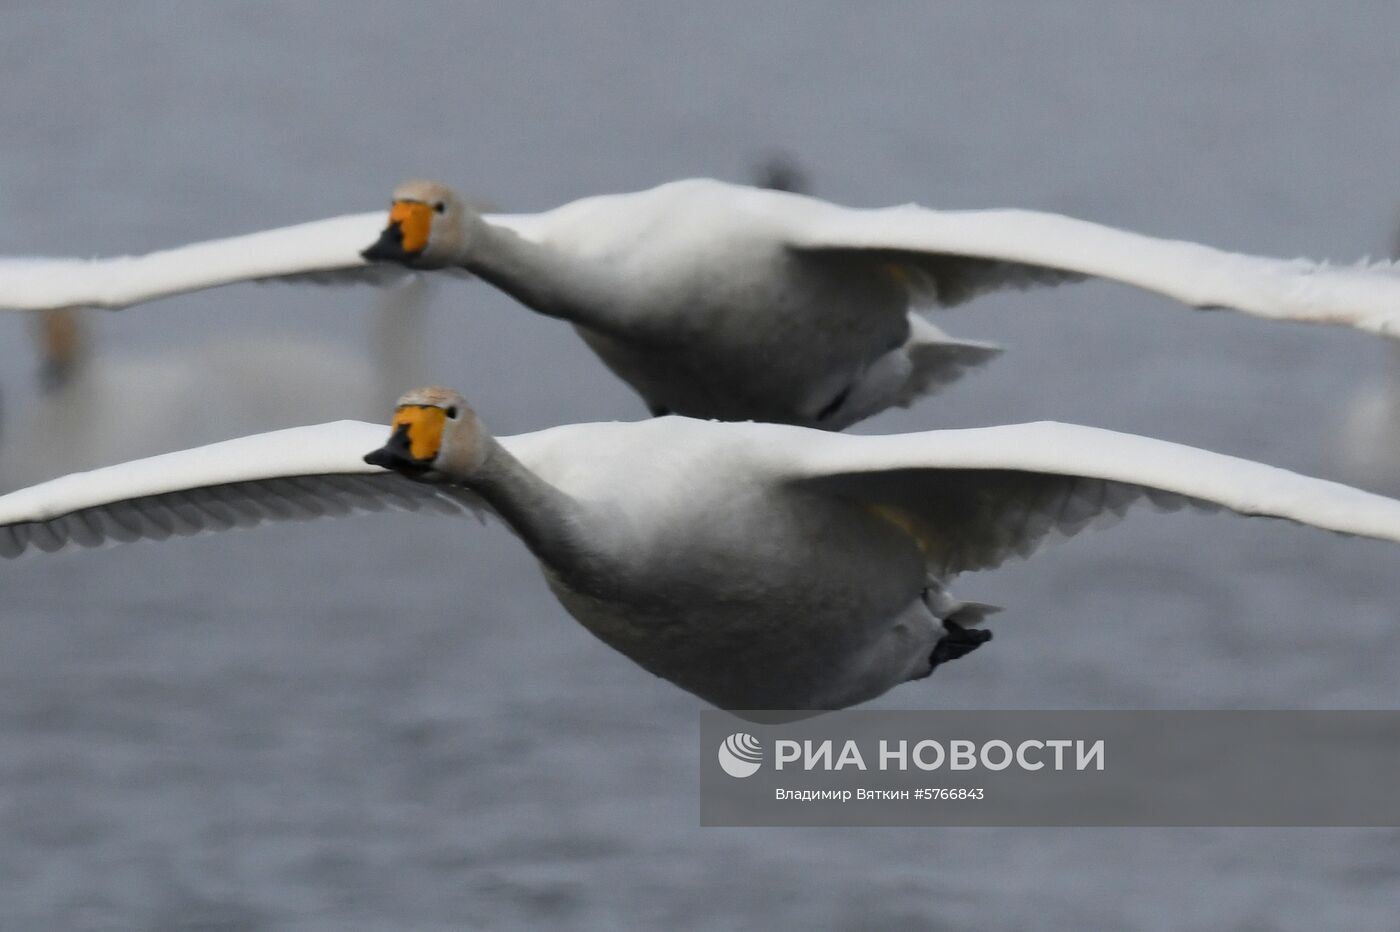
[415, 222]
[424, 423]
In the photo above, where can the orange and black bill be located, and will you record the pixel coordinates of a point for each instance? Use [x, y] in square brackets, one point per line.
[415, 441]
[406, 236]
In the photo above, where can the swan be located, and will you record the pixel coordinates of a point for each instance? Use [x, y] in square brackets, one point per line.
[758, 566]
[726, 301]
[1366, 449]
[1367, 445]
[98, 405]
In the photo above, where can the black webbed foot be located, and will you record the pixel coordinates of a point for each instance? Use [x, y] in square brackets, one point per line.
[957, 642]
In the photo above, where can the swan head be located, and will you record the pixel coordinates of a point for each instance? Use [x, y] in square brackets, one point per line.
[427, 228]
[434, 436]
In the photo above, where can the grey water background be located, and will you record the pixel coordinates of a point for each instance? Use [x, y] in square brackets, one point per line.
[388, 723]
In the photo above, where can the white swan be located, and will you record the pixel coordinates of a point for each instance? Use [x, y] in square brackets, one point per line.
[1366, 448]
[1367, 445]
[102, 405]
[726, 301]
[755, 565]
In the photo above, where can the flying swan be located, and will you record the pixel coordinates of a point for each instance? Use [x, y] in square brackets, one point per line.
[725, 301]
[758, 566]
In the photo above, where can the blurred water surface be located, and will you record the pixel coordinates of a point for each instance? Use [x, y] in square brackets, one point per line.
[388, 723]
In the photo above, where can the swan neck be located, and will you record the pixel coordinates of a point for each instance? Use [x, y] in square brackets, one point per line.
[547, 520]
[541, 277]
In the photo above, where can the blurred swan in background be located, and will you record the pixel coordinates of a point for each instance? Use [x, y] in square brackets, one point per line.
[759, 566]
[726, 301]
[781, 171]
[1368, 443]
[99, 406]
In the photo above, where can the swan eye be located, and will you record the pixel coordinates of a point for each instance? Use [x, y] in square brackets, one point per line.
[440, 207]
[452, 412]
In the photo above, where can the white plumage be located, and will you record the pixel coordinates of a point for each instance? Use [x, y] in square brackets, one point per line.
[756, 565]
[724, 301]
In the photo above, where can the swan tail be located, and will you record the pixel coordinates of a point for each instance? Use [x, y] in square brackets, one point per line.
[946, 608]
[937, 359]
[972, 614]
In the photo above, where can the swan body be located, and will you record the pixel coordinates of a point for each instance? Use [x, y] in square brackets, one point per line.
[725, 301]
[755, 565]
